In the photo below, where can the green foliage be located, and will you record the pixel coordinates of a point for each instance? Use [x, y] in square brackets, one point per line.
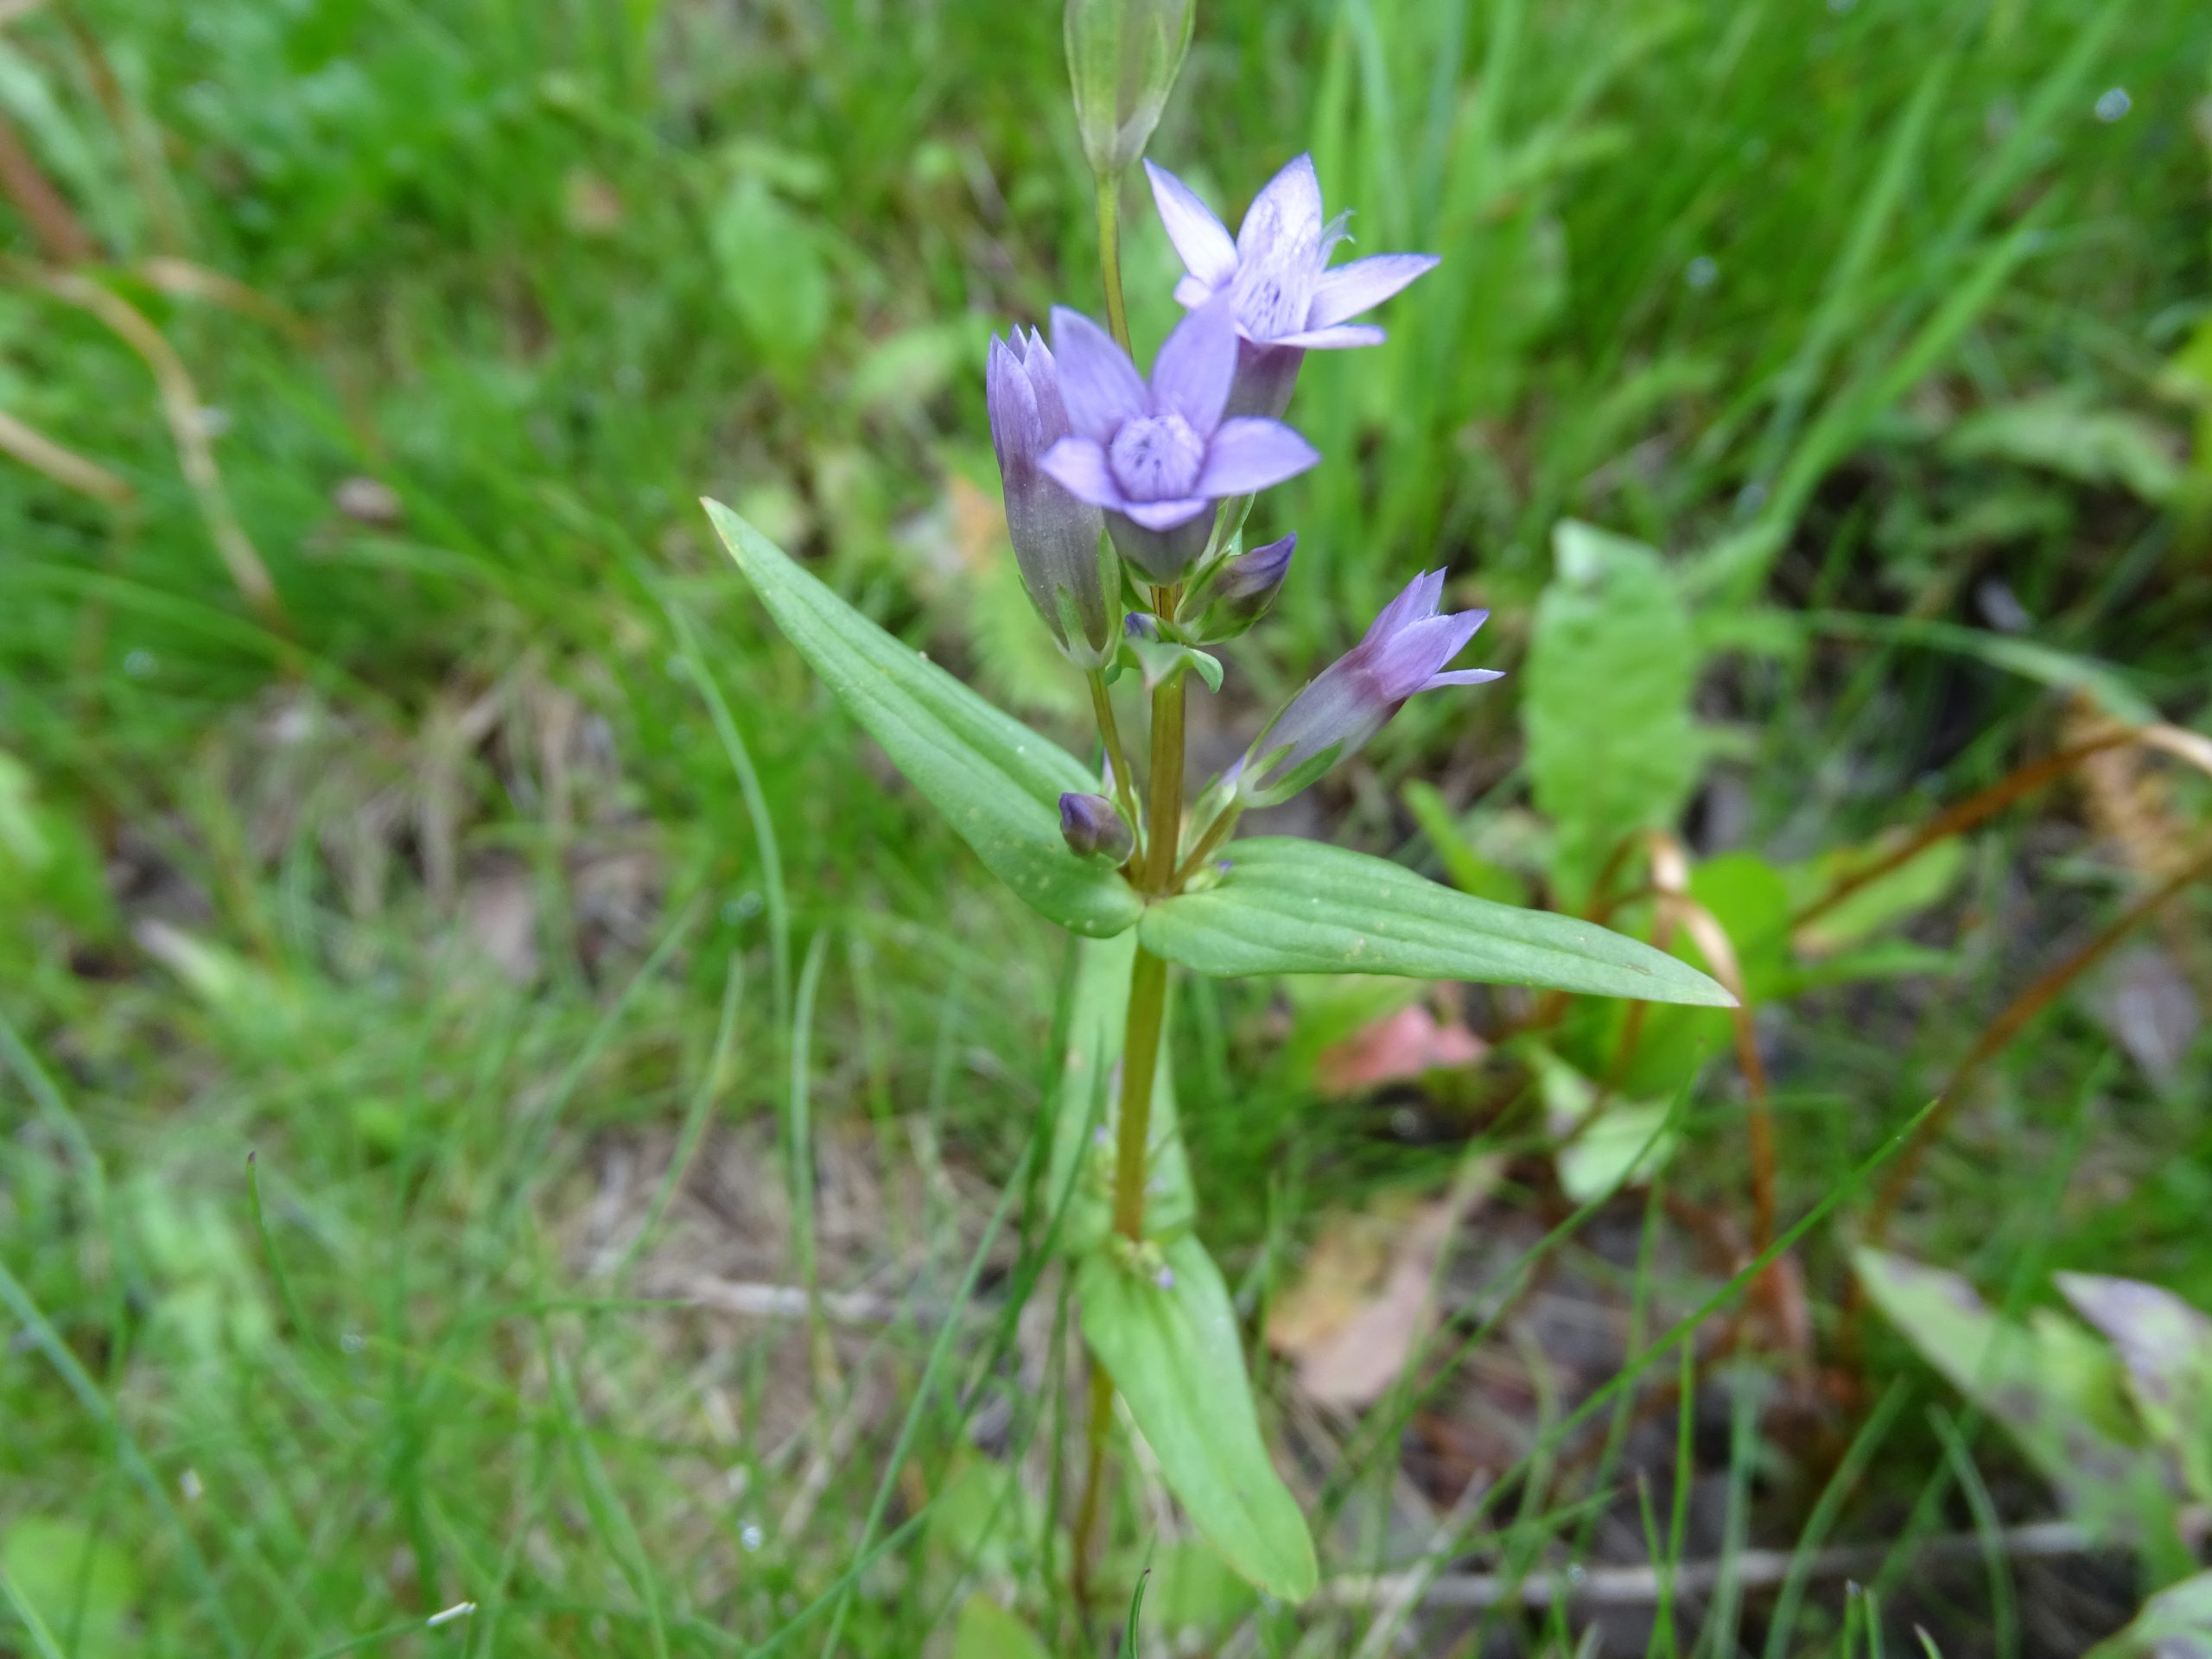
[987, 1630]
[1302, 908]
[2058, 1394]
[1170, 1341]
[1611, 665]
[2165, 1346]
[2176, 1623]
[773, 272]
[996, 782]
[80, 1588]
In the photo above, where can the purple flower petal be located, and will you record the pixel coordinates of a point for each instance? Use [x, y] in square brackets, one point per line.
[1463, 677]
[1164, 515]
[1350, 290]
[1202, 240]
[1191, 293]
[1100, 385]
[1197, 364]
[1288, 208]
[1078, 466]
[1013, 404]
[1418, 599]
[1248, 455]
[1335, 338]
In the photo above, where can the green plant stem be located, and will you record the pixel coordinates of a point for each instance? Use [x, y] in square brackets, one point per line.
[1109, 734]
[1110, 255]
[1216, 832]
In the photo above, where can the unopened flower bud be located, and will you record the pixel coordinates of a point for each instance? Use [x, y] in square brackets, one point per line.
[1070, 575]
[1333, 718]
[1245, 590]
[1124, 56]
[1094, 827]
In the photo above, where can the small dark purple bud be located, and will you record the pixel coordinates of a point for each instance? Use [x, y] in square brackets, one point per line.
[1246, 589]
[1141, 625]
[1094, 829]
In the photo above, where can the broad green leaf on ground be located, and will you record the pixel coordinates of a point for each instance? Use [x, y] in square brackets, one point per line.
[79, 1586]
[773, 271]
[2166, 1347]
[1288, 907]
[2059, 433]
[997, 782]
[2176, 1623]
[1170, 1343]
[1627, 1144]
[987, 1630]
[2057, 1394]
[1923, 879]
[1611, 666]
[1088, 1109]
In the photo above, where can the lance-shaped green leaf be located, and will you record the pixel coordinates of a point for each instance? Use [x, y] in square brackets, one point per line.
[1287, 906]
[997, 782]
[1169, 1341]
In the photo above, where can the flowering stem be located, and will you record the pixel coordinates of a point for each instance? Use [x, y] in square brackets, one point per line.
[1216, 832]
[1110, 732]
[1110, 255]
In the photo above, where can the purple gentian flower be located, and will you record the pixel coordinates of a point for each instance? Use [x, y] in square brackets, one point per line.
[1276, 272]
[1353, 698]
[1065, 564]
[1158, 456]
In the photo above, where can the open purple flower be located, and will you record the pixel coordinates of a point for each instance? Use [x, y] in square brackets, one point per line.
[1157, 456]
[1070, 576]
[1353, 698]
[1276, 273]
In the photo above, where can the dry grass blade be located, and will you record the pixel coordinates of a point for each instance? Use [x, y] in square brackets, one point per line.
[64, 465]
[182, 279]
[60, 235]
[180, 407]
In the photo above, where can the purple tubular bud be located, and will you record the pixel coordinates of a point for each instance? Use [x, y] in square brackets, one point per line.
[1094, 829]
[1246, 589]
[1334, 717]
[1064, 566]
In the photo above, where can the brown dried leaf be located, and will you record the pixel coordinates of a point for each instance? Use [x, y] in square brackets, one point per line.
[1365, 1299]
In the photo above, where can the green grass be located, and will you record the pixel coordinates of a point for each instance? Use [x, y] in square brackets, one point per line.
[522, 908]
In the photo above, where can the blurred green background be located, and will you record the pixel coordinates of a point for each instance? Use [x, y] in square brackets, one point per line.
[397, 784]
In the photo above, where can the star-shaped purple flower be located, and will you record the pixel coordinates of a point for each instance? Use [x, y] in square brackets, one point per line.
[1334, 717]
[1157, 456]
[1276, 273]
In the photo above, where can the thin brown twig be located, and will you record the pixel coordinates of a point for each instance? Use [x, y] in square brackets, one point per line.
[1958, 820]
[2000, 1034]
[60, 235]
[1626, 1587]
